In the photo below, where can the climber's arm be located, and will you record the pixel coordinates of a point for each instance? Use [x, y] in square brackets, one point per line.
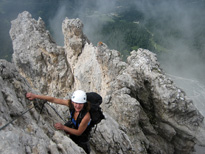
[82, 127]
[32, 96]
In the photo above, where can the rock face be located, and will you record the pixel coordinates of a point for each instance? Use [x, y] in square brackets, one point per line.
[145, 112]
[33, 132]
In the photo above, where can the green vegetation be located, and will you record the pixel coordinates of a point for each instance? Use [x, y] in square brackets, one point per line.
[126, 33]
[125, 28]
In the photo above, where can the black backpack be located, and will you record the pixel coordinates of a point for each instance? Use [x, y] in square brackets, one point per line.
[95, 111]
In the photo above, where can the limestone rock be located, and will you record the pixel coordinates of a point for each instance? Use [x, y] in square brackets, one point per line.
[32, 132]
[145, 111]
[74, 39]
[37, 56]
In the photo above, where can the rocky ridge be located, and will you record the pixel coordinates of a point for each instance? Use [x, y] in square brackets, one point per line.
[145, 111]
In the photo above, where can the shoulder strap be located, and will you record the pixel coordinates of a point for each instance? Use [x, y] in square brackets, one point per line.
[72, 113]
[80, 117]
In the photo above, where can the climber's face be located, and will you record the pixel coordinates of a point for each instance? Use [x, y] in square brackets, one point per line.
[78, 106]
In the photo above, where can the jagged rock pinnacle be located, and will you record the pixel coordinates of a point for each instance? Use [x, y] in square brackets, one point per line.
[145, 111]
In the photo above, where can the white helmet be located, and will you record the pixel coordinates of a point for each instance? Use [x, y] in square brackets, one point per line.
[79, 96]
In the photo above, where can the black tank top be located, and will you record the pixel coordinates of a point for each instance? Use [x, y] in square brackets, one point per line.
[84, 137]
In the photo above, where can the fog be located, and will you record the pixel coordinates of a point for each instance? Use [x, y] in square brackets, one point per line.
[55, 24]
[182, 62]
[89, 11]
[182, 59]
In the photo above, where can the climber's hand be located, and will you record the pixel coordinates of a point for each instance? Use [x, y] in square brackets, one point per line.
[30, 96]
[59, 126]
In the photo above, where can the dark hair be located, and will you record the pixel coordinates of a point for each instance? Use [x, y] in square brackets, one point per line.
[85, 107]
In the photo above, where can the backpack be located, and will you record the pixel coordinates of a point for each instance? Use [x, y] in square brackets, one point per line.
[95, 111]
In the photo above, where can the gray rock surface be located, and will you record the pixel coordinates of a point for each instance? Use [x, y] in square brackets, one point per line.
[32, 132]
[145, 111]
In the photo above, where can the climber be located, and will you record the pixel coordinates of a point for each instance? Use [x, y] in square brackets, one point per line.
[78, 128]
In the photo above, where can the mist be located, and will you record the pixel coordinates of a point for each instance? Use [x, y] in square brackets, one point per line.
[55, 24]
[180, 25]
[183, 52]
[90, 12]
[181, 60]
[181, 57]
[187, 19]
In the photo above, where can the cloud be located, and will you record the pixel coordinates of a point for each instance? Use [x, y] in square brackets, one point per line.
[55, 24]
[178, 22]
